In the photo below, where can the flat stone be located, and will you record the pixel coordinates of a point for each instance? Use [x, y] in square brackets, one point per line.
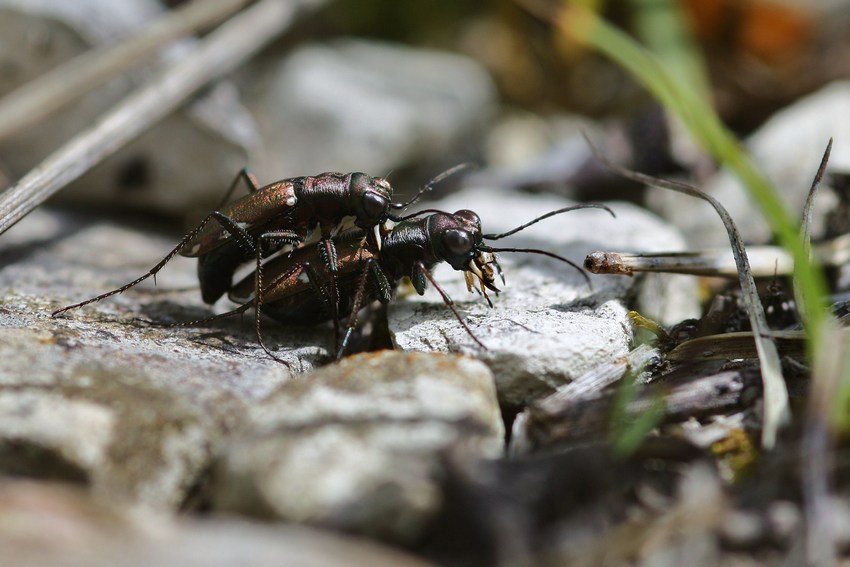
[548, 326]
[134, 411]
[356, 445]
[92, 430]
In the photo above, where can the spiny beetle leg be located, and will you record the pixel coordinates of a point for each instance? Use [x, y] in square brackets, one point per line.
[205, 320]
[358, 303]
[153, 271]
[243, 175]
[239, 234]
[318, 286]
[258, 302]
[280, 238]
[448, 301]
[382, 284]
[327, 250]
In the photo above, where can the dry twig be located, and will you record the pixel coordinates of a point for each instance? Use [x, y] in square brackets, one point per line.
[220, 52]
[38, 98]
[765, 261]
[776, 412]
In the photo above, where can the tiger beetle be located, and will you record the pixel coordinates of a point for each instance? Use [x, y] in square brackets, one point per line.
[283, 213]
[297, 292]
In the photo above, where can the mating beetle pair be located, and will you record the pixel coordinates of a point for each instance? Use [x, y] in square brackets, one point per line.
[346, 268]
[412, 248]
[285, 212]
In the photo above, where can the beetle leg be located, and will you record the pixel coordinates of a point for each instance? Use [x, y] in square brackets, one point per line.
[384, 288]
[327, 251]
[382, 284]
[419, 281]
[239, 234]
[153, 271]
[258, 302]
[211, 319]
[318, 286]
[282, 237]
[419, 267]
[215, 269]
[278, 239]
[243, 175]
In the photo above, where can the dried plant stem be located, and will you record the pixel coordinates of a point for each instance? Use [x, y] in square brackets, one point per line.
[776, 410]
[765, 261]
[220, 52]
[38, 98]
[561, 419]
[732, 346]
[806, 224]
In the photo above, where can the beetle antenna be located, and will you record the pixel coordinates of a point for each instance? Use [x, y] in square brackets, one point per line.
[416, 214]
[546, 216]
[433, 181]
[542, 253]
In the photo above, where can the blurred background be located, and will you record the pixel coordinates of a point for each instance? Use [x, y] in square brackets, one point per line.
[409, 89]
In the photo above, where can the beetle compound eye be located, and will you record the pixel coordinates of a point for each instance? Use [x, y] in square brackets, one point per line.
[470, 218]
[458, 242]
[374, 205]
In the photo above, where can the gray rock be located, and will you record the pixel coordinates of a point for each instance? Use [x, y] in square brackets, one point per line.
[52, 260]
[357, 445]
[43, 524]
[547, 327]
[91, 428]
[132, 410]
[788, 148]
[182, 164]
[354, 105]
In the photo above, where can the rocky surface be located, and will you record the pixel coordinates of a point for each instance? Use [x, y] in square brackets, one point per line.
[357, 445]
[134, 411]
[547, 326]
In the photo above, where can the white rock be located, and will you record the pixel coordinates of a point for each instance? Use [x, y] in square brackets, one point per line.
[134, 411]
[357, 445]
[547, 327]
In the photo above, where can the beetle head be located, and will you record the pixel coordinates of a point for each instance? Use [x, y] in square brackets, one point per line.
[458, 242]
[371, 198]
[454, 237]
